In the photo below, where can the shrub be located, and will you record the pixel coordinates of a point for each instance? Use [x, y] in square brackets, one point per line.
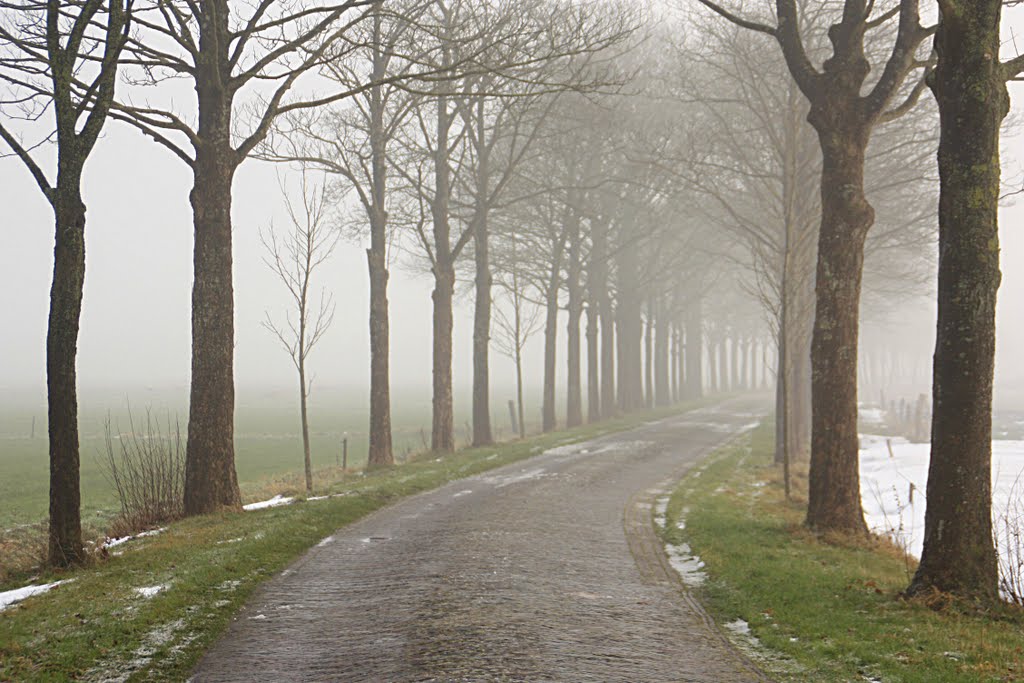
[146, 467]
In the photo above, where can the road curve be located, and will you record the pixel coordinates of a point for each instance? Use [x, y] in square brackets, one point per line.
[544, 570]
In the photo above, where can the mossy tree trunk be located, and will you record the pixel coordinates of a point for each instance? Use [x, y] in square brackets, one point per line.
[969, 84]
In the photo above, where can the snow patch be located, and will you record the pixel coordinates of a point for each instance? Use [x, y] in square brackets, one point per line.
[326, 541]
[8, 598]
[114, 542]
[150, 591]
[462, 493]
[274, 502]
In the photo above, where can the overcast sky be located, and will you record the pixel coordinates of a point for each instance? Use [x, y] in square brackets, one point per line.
[135, 321]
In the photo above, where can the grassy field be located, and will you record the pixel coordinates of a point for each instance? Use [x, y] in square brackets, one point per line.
[820, 611]
[98, 626]
[267, 441]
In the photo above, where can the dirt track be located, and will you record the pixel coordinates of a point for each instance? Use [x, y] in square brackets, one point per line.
[546, 570]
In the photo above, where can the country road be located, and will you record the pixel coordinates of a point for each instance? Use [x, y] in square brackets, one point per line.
[545, 570]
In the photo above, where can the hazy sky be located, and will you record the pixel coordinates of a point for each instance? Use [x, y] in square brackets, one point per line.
[135, 321]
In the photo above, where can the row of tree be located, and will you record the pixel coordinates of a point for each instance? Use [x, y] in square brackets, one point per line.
[853, 91]
[666, 185]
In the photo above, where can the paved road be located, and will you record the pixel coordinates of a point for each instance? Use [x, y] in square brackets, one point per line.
[546, 570]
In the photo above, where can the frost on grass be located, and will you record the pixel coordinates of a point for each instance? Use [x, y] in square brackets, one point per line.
[159, 639]
[8, 598]
[274, 502]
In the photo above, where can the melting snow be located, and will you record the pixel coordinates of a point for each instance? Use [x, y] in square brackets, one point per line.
[112, 542]
[326, 541]
[8, 598]
[274, 502]
[150, 591]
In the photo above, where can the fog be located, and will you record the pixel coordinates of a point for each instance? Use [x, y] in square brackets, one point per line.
[135, 326]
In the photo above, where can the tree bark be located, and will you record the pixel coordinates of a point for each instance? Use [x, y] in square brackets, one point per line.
[662, 373]
[482, 435]
[304, 415]
[630, 331]
[649, 358]
[548, 418]
[970, 88]
[834, 502]
[693, 356]
[600, 294]
[593, 364]
[211, 483]
[574, 390]
[442, 439]
[65, 526]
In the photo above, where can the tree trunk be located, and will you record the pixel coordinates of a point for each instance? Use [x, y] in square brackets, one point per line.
[442, 439]
[380, 453]
[674, 362]
[649, 358]
[970, 88]
[744, 346]
[548, 419]
[593, 363]
[600, 294]
[834, 502]
[380, 448]
[574, 390]
[482, 435]
[630, 332]
[211, 483]
[694, 354]
[662, 373]
[65, 526]
[723, 365]
[303, 395]
[519, 383]
[712, 367]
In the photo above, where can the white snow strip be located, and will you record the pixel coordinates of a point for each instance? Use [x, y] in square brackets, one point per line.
[886, 481]
[462, 493]
[326, 541]
[274, 502]
[150, 591]
[113, 542]
[8, 598]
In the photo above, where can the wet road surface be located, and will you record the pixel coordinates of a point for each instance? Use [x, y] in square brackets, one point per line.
[545, 570]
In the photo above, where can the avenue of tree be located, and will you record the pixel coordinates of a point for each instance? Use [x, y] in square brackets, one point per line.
[672, 203]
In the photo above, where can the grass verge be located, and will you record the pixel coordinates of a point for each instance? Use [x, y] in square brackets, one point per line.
[100, 626]
[824, 611]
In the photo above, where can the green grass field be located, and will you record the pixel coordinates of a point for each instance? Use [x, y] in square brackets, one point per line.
[825, 612]
[267, 440]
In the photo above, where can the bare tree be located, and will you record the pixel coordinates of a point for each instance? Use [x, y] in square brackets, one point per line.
[352, 140]
[970, 87]
[61, 58]
[294, 258]
[518, 320]
[844, 118]
[239, 57]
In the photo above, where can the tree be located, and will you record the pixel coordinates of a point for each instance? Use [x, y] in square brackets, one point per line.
[234, 59]
[844, 110]
[969, 85]
[352, 141]
[520, 322]
[293, 260]
[62, 57]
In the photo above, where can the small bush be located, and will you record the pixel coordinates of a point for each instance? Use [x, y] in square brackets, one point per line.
[147, 470]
